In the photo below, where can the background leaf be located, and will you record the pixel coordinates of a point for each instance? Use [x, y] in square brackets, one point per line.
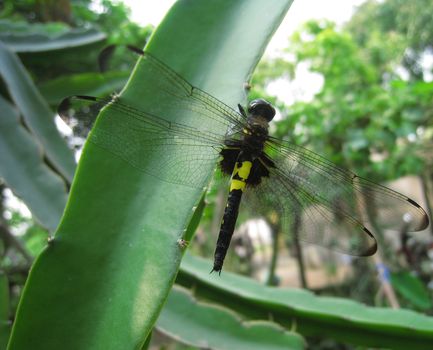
[338, 318]
[24, 37]
[93, 84]
[26, 173]
[36, 113]
[412, 289]
[213, 327]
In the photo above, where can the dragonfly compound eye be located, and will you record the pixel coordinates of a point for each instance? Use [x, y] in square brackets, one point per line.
[263, 108]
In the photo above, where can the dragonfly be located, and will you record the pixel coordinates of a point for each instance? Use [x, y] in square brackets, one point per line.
[327, 203]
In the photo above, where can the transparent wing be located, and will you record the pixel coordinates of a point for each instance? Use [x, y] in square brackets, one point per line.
[187, 152]
[174, 95]
[301, 214]
[324, 204]
[166, 84]
[342, 190]
[171, 151]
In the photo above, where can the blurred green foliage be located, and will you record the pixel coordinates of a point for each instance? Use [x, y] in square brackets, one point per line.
[395, 32]
[56, 18]
[373, 111]
[365, 116]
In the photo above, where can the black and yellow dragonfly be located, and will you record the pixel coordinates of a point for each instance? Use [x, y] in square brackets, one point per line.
[327, 203]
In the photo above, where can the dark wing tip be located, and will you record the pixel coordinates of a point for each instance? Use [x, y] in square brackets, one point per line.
[135, 49]
[371, 249]
[411, 201]
[63, 107]
[424, 221]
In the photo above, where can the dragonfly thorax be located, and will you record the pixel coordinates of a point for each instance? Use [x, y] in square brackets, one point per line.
[255, 135]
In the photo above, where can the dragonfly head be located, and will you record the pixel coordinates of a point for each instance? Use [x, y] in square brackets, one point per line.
[261, 108]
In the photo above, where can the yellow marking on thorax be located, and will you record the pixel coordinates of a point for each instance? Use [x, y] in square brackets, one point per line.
[243, 171]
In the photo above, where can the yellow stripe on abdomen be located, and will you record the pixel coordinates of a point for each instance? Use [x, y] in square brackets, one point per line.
[240, 175]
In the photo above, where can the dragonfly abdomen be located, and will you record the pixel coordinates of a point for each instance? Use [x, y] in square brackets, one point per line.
[238, 183]
[227, 228]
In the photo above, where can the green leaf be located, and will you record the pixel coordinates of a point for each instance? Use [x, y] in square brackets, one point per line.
[412, 289]
[93, 84]
[36, 113]
[23, 28]
[213, 327]
[23, 168]
[4, 297]
[103, 280]
[337, 318]
[35, 37]
[5, 324]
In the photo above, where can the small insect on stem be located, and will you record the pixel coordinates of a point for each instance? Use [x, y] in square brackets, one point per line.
[182, 243]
